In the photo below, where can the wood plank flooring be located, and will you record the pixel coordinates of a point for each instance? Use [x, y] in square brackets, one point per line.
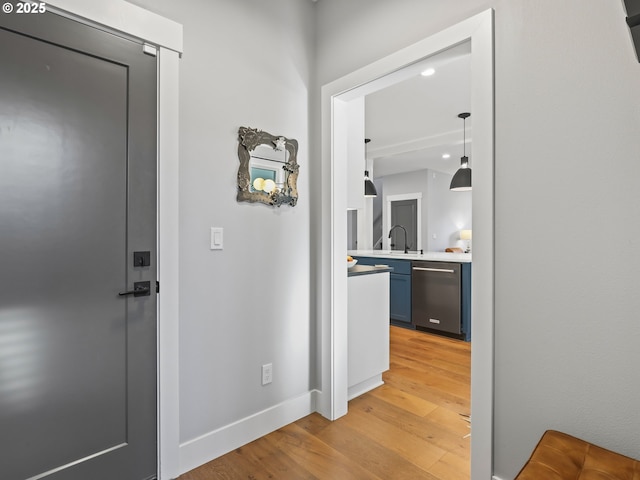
[410, 428]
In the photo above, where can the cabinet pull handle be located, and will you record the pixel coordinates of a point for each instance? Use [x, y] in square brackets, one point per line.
[443, 270]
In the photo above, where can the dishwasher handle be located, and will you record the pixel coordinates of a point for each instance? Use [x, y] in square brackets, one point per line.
[442, 270]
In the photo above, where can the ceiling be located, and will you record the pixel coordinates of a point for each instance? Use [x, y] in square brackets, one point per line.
[412, 123]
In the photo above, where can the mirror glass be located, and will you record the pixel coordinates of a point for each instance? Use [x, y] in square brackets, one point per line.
[268, 170]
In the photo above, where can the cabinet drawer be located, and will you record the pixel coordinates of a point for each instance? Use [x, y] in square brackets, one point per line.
[403, 267]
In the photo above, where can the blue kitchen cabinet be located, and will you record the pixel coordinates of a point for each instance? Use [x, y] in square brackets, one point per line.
[400, 298]
[399, 288]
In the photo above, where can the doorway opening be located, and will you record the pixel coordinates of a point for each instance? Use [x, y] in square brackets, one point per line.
[338, 99]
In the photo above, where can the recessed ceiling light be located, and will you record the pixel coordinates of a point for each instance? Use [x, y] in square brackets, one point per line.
[428, 72]
[446, 155]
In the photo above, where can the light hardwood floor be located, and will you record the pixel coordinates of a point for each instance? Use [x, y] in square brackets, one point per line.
[410, 428]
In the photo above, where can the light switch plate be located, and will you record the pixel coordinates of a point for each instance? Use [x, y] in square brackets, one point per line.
[217, 238]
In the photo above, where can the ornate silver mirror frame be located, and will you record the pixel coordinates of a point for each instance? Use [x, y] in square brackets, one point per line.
[268, 171]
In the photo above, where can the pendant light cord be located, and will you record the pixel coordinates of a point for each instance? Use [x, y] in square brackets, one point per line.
[464, 117]
[366, 140]
[464, 137]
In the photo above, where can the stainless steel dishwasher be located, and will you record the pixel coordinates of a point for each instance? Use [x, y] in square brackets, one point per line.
[436, 297]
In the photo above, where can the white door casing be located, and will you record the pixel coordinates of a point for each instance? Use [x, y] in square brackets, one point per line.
[332, 400]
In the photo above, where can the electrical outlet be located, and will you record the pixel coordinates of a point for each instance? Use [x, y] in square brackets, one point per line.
[267, 373]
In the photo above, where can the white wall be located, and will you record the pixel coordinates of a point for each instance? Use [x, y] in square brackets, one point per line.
[444, 213]
[566, 167]
[247, 63]
[448, 213]
[567, 145]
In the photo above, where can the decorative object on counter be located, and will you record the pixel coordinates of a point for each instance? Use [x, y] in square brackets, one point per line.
[461, 181]
[466, 235]
[268, 171]
[369, 187]
[351, 261]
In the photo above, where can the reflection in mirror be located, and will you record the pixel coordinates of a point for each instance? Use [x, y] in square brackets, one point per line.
[268, 170]
[265, 168]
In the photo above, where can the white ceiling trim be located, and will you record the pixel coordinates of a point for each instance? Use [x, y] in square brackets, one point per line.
[451, 138]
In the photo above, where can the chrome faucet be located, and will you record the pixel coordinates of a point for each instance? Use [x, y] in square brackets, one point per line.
[406, 248]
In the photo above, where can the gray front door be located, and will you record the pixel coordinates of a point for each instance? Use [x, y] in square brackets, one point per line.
[77, 199]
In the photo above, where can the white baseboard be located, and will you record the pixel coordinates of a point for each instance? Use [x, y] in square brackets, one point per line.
[496, 478]
[364, 387]
[211, 445]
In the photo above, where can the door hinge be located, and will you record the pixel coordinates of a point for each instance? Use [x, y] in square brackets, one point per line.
[150, 49]
[157, 286]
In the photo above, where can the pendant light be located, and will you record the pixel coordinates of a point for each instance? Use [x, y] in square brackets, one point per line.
[369, 187]
[461, 181]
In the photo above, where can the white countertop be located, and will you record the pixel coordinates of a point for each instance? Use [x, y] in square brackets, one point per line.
[427, 256]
